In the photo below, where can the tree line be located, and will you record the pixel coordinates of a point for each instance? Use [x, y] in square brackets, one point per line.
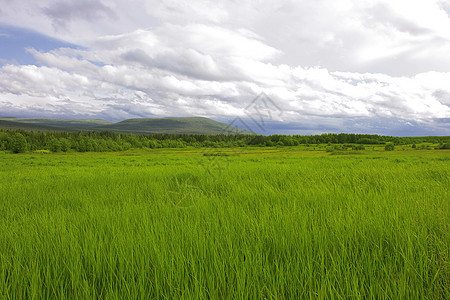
[19, 141]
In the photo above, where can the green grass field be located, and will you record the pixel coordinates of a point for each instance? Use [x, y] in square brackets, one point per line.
[230, 223]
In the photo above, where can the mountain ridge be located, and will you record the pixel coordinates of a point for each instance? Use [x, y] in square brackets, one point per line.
[167, 125]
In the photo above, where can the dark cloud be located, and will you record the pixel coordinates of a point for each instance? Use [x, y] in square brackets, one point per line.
[123, 108]
[381, 126]
[64, 12]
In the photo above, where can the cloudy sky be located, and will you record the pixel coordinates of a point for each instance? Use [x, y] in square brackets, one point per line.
[364, 66]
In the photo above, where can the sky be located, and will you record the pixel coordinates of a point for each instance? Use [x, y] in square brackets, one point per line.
[322, 66]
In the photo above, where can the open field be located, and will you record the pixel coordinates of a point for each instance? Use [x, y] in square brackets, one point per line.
[225, 223]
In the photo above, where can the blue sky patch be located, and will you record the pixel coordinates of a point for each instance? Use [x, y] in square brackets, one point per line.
[14, 41]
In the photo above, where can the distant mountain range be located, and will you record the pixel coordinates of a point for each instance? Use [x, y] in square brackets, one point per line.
[187, 125]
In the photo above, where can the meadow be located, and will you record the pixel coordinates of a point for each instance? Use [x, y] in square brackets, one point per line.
[237, 223]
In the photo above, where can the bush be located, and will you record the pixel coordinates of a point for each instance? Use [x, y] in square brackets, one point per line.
[445, 146]
[424, 146]
[42, 151]
[358, 147]
[389, 147]
[17, 143]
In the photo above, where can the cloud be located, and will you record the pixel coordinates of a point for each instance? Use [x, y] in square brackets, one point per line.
[66, 11]
[199, 51]
[138, 74]
[336, 65]
[398, 38]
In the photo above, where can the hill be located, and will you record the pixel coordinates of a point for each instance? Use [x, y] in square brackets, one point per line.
[80, 123]
[4, 124]
[185, 125]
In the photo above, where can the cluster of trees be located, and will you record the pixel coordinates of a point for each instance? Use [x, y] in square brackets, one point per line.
[344, 147]
[20, 141]
[344, 138]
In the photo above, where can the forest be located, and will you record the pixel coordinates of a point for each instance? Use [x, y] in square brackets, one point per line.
[19, 141]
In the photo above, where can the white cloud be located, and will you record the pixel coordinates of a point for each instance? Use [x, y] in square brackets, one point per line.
[402, 37]
[200, 83]
[316, 59]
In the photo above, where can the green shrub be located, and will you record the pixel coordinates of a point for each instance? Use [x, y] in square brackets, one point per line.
[17, 143]
[42, 151]
[445, 146]
[389, 147]
[358, 147]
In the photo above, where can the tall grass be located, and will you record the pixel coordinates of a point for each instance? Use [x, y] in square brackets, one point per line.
[260, 224]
